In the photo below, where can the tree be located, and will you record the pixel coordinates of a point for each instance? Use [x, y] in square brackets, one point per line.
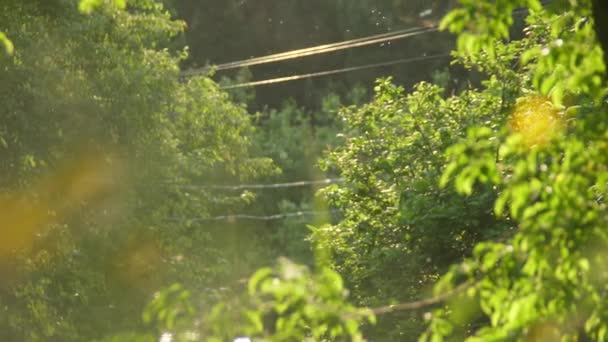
[101, 144]
[527, 153]
[400, 229]
[546, 281]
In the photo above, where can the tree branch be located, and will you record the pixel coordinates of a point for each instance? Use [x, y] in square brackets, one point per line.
[419, 304]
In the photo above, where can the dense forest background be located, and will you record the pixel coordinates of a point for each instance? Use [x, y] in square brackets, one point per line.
[445, 199]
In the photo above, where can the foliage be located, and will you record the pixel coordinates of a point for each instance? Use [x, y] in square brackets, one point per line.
[400, 228]
[294, 138]
[170, 310]
[87, 6]
[8, 45]
[495, 194]
[547, 281]
[291, 303]
[101, 146]
[291, 138]
[530, 158]
[531, 165]
[568, 61]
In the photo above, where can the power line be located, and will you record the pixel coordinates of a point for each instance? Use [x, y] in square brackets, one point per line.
[266, 186]
[326, 48]
[344, 70]
[256, 218]
[335, 71]
[315, 50]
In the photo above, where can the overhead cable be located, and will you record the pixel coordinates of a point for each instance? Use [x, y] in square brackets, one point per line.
[335, 71]
[257, 218]
[315, 50]
[326, 48]
[266, 186]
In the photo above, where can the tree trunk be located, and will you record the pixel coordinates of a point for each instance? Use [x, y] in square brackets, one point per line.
[600, 16]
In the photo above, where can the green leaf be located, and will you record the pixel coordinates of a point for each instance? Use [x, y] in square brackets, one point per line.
[258, 277]
[9, 48]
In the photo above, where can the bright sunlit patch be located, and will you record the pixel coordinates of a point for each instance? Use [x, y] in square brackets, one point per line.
[536, 120]
[166, 337]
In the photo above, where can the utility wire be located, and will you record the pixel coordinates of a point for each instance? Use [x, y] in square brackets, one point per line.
[335, 71]
[349, 44]
[266, 186]
[257, 218]
[344, 70]
[326, 48]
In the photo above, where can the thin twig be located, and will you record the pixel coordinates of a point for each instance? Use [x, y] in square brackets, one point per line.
[419, 304]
